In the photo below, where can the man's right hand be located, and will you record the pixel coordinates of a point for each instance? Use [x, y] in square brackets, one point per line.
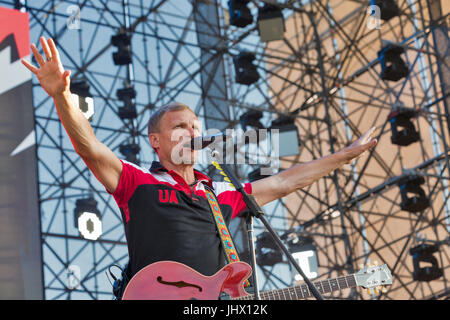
[51, 74]
[56, 82]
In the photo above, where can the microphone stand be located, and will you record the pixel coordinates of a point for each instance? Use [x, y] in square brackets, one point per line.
[256, 211]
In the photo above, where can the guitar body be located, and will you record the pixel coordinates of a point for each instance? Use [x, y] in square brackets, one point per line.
[169, 280]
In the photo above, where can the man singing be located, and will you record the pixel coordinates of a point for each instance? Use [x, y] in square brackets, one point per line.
[164, 208]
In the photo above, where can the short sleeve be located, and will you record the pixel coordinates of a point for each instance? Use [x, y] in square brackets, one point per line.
[227, 194]
[130, 178]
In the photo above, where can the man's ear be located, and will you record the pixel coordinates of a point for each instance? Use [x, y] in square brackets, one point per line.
[154, 140]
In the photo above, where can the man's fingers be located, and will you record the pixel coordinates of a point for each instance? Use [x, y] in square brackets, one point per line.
[53, 50]
[370, 144]
[367, 136]
[369, 132]
[40, 60]
[29, 66]
[45, 48]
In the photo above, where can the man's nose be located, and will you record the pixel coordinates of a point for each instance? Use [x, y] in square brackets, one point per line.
[192, 132]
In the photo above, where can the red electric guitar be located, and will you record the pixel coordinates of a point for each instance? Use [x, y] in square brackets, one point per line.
[168, 280]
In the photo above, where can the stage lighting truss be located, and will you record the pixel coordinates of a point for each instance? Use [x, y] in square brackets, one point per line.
[340, 71]
[325, 71]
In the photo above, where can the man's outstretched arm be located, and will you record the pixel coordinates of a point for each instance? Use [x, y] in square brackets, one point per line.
[304, 174]
[103, 163]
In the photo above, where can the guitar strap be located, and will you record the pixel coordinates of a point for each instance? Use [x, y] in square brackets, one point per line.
[225, 235]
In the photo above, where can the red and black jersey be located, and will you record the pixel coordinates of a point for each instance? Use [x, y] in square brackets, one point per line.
[167, 220]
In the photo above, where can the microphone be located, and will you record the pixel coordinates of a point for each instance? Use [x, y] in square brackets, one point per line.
[202, 142]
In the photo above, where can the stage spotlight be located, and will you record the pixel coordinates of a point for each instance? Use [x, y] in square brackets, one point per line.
[288, 139]
[240, 15]
[410, 184]
[122, 41]
[304, 251]
[88, 218]
[267, 251]
[393, 68]
[403, 131]
[246, 72]
[80, 89]
[270, 23]
[251, 119]
[126, 95]
[130, 152]
[388, 8]
[423, 253]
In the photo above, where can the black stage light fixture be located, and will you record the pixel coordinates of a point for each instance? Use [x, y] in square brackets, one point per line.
[423, 254]
[123, 56]
[252, 119]
[267, 251]
[393, 67]
[413, 197]
[19, 4]
[289, 139]
[126, 95]
[80, 88]
[388, 8]
[88, 219]
[240, 15]
[246, 72]
[250, 123]
[130, 152]
[403, 131]
[270, 23]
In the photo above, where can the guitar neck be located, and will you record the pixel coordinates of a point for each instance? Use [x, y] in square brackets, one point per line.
[303, 292]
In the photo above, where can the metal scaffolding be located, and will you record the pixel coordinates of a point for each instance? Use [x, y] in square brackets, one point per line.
[325, 72]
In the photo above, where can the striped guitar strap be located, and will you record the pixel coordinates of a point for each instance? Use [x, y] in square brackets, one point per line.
[225, 235]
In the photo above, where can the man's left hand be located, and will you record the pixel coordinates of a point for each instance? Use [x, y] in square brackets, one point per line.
[360, 146]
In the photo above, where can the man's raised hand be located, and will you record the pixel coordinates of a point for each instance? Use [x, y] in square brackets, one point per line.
[51, 74]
